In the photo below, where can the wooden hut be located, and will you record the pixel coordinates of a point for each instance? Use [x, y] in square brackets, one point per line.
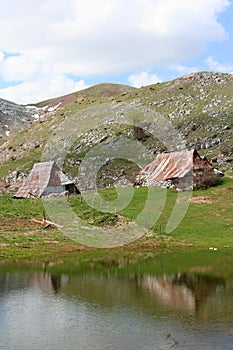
[45, 179]
[181, 170]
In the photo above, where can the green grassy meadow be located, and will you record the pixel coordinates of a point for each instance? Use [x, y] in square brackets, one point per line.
[206, 224]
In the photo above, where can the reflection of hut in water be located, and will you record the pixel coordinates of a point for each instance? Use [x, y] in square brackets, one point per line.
[182, 291]
[49, 283]
[56, 282]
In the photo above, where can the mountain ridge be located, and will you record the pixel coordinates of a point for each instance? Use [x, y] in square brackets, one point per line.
[199, 105]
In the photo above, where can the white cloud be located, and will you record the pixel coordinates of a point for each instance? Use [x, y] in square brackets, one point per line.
[41, 89]
[20, 67]
[143, 79]
[93, 37]
[214, 65]
[181, 69]
[1, 57]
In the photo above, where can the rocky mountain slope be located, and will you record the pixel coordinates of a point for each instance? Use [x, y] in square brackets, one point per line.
[14, 117]
[199, 106]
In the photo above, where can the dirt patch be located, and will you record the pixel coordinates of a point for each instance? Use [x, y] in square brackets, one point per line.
[4, 245]
[223, 189]
[8, 223]
[201, 199]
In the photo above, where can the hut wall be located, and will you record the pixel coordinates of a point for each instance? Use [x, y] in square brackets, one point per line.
[203, 174]
[54, 189]
[185, 183]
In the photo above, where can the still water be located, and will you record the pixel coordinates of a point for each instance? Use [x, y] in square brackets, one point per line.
[172, 301]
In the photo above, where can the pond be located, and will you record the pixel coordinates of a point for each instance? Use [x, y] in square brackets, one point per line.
[159, 301]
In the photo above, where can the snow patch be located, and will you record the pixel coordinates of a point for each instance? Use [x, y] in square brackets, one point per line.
[33, 107]
[53, 108]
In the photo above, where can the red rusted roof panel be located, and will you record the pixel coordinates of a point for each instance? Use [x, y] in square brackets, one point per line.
[169, 165]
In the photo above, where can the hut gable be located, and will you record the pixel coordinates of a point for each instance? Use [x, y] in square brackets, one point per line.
[180, 169]
[45, 178]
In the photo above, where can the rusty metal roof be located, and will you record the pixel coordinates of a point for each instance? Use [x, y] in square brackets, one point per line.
[42, 175]
[169, 165]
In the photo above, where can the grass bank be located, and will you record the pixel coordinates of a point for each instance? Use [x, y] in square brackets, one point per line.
[207, 223]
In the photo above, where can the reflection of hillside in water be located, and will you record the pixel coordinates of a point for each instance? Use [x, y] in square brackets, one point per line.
[14, 281]
[182, 294]
[181, 291]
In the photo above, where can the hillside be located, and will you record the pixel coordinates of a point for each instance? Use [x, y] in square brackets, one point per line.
[95, 94]
[14, 117]
[199, 106]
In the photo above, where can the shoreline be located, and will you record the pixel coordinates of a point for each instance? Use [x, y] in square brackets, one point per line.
[65, 248]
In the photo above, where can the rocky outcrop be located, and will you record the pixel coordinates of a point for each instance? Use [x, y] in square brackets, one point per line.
[15, 177]
[14, 117]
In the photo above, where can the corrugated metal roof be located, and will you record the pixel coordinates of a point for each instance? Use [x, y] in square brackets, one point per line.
[42, 175]
[64, 179]
[169, 166]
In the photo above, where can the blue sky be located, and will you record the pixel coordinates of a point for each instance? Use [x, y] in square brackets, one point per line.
[50, 48]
